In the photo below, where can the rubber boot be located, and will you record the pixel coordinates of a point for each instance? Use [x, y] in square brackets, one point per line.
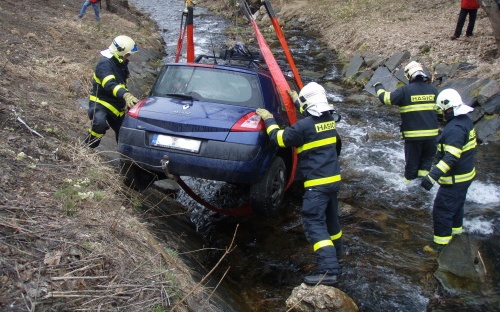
[339, 247]
[321, 278]
[91, 141]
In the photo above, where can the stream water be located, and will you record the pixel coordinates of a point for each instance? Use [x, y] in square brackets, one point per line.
[386, 222]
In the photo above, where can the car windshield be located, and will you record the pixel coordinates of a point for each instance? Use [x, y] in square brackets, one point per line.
[209, 84]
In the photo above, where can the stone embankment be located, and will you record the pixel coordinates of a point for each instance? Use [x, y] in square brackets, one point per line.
[482, 94]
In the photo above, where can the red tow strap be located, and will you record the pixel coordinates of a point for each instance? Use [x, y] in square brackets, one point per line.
[189, 28]
[243, 210]
[278, 77]
[190, 34]
[284, 44]
[182, 34]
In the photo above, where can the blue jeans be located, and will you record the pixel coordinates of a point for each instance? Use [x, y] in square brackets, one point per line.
[95, 5]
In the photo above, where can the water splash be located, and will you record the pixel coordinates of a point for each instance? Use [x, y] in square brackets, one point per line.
[479, 226]
[484, 193]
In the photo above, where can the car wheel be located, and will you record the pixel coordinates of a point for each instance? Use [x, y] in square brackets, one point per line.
[136, 177]
[266, 196]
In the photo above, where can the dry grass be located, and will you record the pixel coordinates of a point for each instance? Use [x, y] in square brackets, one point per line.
[79, 244]
[71, 237]
[387, 27]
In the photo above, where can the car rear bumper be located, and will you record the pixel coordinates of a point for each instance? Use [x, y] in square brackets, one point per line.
[221, 161]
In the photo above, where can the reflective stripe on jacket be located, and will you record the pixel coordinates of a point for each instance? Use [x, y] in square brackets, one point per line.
[315, 139]
[416, 103]
[109, 84]
[456, 150]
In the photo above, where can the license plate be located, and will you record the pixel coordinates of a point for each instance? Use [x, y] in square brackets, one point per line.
[176, 143]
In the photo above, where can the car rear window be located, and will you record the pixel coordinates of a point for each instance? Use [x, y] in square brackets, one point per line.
[209, 84]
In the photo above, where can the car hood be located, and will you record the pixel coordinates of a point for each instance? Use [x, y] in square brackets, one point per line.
[190, 117]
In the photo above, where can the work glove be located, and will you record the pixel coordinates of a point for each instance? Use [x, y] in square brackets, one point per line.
[293, 94]
[263, 113]
[130, 100]
[378, 83]
[295, 97]
[427, 182]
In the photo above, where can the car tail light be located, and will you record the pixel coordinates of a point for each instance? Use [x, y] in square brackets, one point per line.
[249, 122]
[134, 111]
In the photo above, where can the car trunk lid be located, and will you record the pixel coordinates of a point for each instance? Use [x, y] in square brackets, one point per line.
[190, 118]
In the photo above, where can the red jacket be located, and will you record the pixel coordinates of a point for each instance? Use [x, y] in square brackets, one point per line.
[469, 4]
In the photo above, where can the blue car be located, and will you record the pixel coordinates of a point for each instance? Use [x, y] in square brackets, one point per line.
[202, 116]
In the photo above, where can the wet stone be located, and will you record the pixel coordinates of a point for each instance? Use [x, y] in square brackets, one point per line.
[319, 298]
[396, 59]
[464, 266]
[492, 105]
[487, 128]
[354, 66]
[384, 76]
[491, 89]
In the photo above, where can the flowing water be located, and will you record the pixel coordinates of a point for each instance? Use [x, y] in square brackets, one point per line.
[386, 222]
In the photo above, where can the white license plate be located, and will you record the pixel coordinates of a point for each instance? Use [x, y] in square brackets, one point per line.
[176, 143]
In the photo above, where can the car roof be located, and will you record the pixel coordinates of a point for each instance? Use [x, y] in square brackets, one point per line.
[232, 67]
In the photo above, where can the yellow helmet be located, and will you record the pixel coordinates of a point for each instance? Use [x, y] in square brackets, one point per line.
[414, 69]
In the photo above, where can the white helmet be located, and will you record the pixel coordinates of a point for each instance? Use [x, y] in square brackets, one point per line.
[451, 98]
[120, 46]
[414, 69]
[312, 98]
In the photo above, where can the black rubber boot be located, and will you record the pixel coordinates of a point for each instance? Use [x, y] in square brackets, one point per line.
[321, 278]
[91, 141]
[438, 247]
[339, 248]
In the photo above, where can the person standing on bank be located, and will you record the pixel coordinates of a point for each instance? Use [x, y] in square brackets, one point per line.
[419, 122]
[318, 145]
[110, 97]
[467, 7]
[455, 170]
[95, 4]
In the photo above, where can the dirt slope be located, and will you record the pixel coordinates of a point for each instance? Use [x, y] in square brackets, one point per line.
[66, 224]
[70, 235]
[423, 28]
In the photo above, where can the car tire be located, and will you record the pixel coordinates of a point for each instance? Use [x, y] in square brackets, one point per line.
[135, 177]
[266, 196]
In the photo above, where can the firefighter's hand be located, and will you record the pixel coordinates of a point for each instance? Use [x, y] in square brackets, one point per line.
[427, 182]
[295, 98]
[263, 113]
[378, 83]
[130, 100]
[293, 95]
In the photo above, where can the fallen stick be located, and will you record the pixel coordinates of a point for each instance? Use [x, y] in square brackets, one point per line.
[29, 128]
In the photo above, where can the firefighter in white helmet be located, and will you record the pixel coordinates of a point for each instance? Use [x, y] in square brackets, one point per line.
[455, 169]
[318, 146]
[419, 123]
[110, 97]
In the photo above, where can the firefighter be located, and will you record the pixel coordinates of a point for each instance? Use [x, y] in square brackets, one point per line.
[318, 145]
[110, 97]
[455, 170]
[419, 120]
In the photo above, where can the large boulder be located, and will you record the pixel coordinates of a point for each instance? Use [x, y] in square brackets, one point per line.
[319, 298]
[466, 265]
